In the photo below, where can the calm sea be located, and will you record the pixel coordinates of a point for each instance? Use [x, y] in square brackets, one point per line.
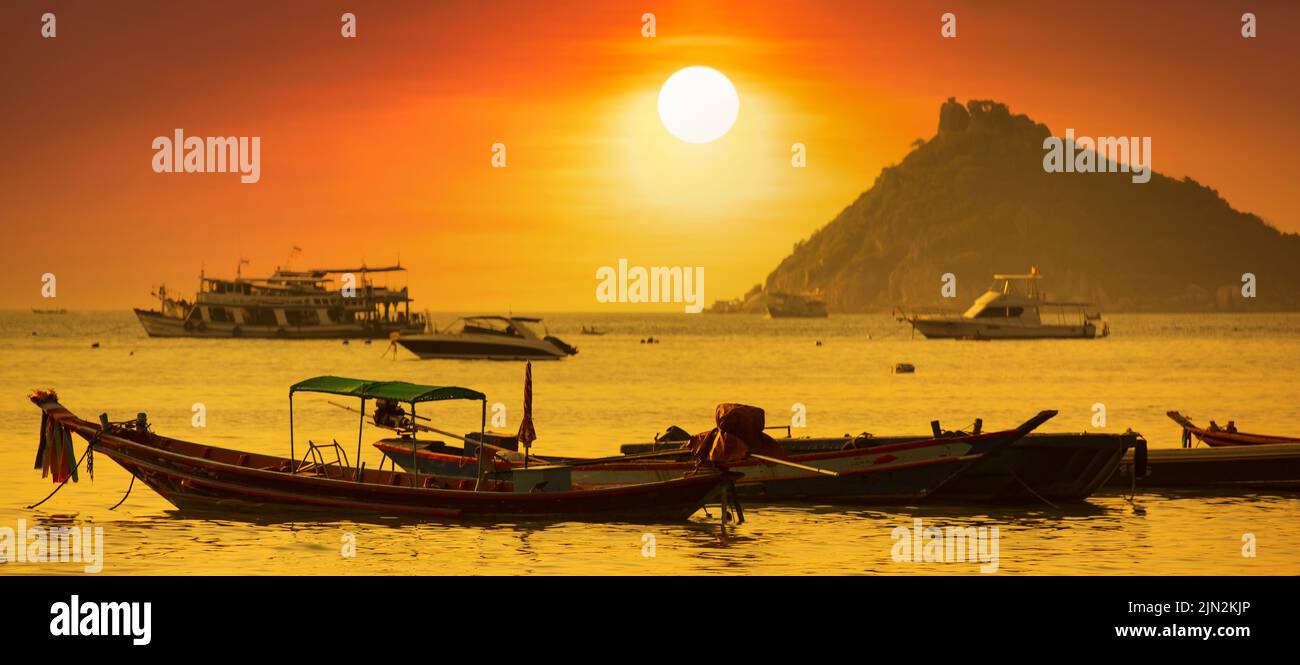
[1241, 367]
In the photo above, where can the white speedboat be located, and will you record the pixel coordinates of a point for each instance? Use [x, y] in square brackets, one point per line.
[1013, 308]
[488, 337]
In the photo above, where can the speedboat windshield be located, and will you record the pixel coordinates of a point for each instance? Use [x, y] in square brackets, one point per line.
[489, 326]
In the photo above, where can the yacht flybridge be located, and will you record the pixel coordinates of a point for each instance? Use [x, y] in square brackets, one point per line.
[289, 304]
[1013, 308]
[488, 337]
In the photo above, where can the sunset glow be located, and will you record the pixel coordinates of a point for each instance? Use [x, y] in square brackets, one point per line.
[378, 149]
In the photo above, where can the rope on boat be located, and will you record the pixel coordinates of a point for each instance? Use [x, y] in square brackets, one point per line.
[128, 493]
[1132, 491]
[1030, 489]
[1139, 464]
[90, 446]
[65, 482]
[89, 458]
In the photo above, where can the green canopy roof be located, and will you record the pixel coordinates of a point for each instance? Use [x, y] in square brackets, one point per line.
[398, 391]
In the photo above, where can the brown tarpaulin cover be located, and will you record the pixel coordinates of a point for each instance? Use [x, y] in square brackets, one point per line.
[739, 432]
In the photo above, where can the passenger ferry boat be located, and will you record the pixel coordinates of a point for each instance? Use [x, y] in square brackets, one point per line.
[288, 305]
[1012, 308]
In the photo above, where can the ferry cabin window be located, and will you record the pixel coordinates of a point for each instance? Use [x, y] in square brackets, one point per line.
[263, 316]
[300, 317]
[219, 315]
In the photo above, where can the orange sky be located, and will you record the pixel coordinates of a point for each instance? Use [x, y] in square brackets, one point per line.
[378, 148]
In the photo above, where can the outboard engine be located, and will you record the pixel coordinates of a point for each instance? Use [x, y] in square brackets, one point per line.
[561, 345]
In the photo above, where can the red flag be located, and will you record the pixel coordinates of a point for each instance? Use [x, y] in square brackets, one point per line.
[527, 435]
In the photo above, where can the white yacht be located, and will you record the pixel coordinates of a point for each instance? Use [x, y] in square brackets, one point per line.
[488, 337]
[1013, 308]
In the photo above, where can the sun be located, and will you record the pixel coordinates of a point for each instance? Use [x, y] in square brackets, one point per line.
[698, 104]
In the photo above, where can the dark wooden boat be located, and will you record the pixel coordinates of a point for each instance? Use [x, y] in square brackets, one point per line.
[1251, 467]
[1264, 462]
[1054, 467]
[1050, 466]
[904, 471]
[196, 476]
[1217, 437]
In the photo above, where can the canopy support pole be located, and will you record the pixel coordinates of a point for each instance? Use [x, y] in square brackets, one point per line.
[482, 439]
[292, 457]
[415, 461]
[360, 425]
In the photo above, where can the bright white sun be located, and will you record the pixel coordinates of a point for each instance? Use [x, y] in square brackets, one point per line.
[698, 104]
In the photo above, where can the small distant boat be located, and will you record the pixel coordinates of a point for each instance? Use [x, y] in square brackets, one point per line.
[1216, 436]
[488, 338]
[194, 476]
[49, 311]
[782, 305]
[1012, 308]
[592, 331]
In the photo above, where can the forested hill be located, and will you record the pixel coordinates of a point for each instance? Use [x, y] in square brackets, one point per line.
[974, 200]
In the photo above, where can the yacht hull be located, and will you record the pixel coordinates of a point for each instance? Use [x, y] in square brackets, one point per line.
[968, 329]
[479, 347]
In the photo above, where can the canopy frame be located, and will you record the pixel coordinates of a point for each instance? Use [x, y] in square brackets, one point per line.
[395, 391]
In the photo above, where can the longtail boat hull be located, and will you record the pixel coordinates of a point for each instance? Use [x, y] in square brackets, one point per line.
[1061, 468]
[196, 476]
[1232, 460]
[1220, 438]
[906, 471]
[913, 478]
[1055, 467]
[1272, 467]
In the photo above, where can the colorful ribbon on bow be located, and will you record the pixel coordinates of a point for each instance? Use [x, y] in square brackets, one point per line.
[54, 454]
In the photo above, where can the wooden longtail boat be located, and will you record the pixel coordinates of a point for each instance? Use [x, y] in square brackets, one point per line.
[196, 476]
[1232, 460]
[1252, 467]
[1050, 466]
[907, 471]
[1221, 438]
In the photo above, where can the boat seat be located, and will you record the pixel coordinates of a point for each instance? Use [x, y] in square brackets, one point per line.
[319, 465]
